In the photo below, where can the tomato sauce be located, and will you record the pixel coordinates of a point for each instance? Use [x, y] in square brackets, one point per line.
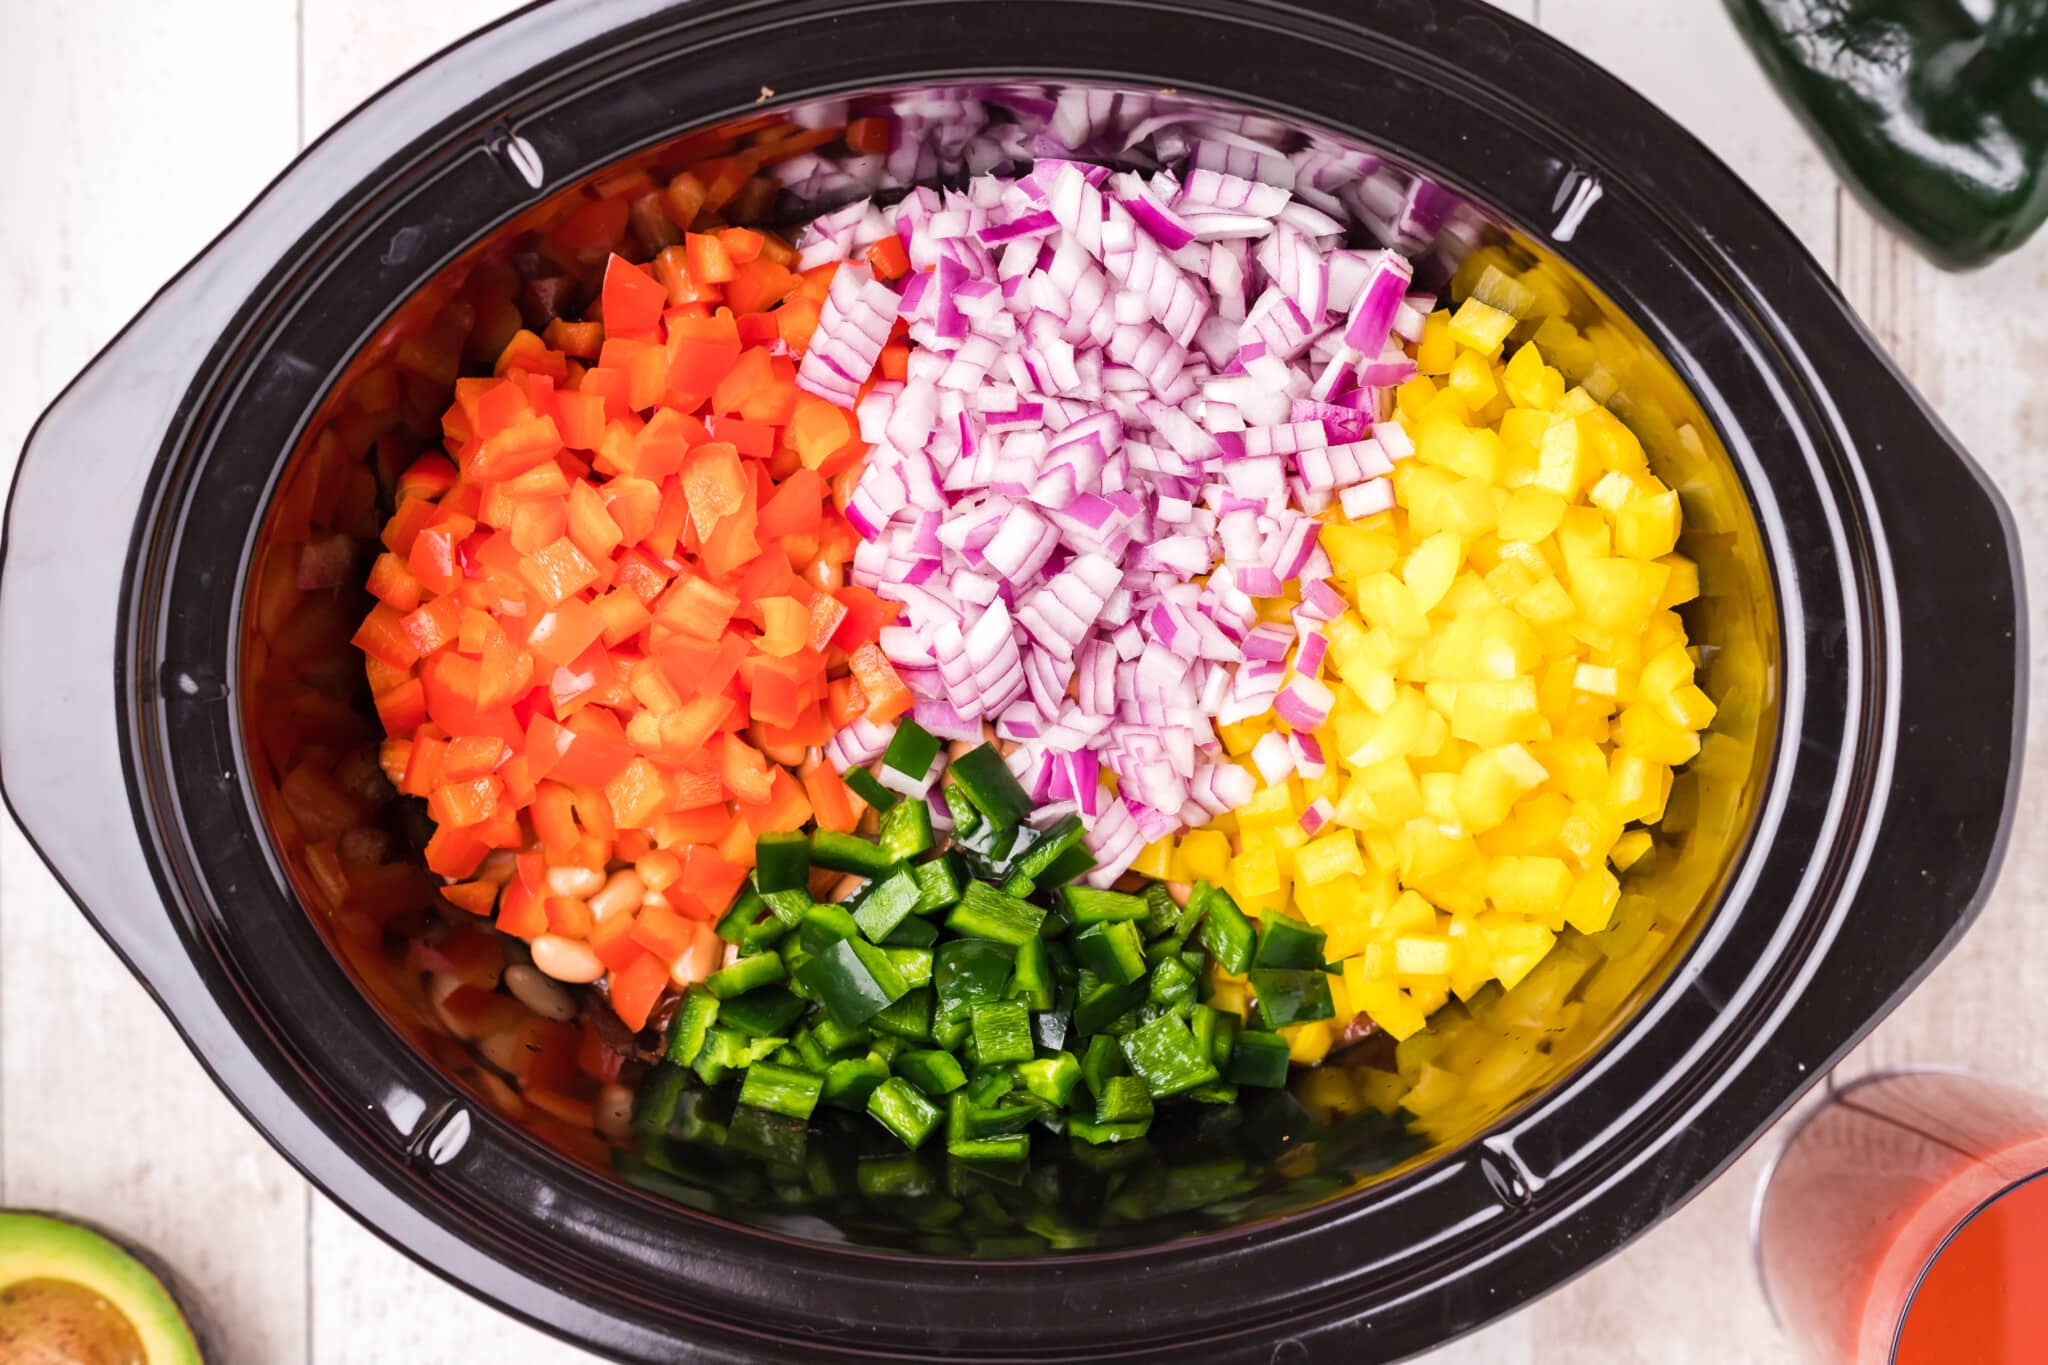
[1893, 1171]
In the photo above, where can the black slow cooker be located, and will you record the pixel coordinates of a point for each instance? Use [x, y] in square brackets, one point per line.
[1861, 611]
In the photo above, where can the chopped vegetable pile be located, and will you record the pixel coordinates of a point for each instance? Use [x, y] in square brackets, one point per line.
[979, 979]
[1511, 692]
[1031, 652]
[1127, 401]
[611, 625]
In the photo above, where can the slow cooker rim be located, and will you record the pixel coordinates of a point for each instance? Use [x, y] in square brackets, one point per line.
[1192, 1246]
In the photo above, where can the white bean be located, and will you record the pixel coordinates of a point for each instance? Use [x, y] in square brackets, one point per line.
[655, 898]
[615, 1111]
[575, 881]
[498, 867]
[565, 959]
[441, 985]
[623, 892]
[533, 990]
[501, 1050]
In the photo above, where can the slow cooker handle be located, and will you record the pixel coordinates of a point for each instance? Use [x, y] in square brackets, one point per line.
[79, 500]
[1956, 620]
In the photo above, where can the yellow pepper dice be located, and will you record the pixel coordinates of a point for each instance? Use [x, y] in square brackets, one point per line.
[1512, 692]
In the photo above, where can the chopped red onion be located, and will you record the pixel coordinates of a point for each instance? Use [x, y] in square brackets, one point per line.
[1304, 703]
[1128, 397]
[1318, 814]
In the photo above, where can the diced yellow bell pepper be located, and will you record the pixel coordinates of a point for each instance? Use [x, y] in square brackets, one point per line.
[1478, 327]
[1156, 861]
[1329, 857]
[1512, 691]
[1437, 349]
[1472, 378]
[1647, 528]
[1629, 849]
[1530, 382]
[1590, 906]
[1206, 854]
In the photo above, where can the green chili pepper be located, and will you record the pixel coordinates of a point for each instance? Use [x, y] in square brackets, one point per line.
[1935, 110]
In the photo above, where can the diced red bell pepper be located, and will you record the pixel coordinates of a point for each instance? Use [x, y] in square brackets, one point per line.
[633, 299]
[635, 990]
[887, 697]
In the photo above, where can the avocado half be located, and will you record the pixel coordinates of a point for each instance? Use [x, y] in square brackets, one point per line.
[69, 1296]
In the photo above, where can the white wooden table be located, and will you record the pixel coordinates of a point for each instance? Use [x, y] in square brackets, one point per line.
[141, 128]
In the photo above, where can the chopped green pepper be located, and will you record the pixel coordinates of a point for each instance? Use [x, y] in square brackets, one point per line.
[747, 974]
[1225, 931]
[984, 912]
[781, 1090]
[1258, 1059]
[1086, 905]
[779, 1139]
[905, 831]
[825, 925]
[869, 790]
[897, 1106]
[1101, 1060]
[987, 782]
[1050, 845]
[1102, 1003]
[746, 909]
[884, 904]
[1162, 912]
[654, 1105]
[966, 819]
[1112, 950]
[1216, 1030]
[1074, 863]
[686, 1037]
[1052, 1078]
[914, 965]
[782, 862]
[1292, 997]
[1171, 982]
[968, 972]
[788, 907]
[1165, 1055]
[760, 1013]
[911, 750]
[724, 1050]
[835, 1037]
[853, 980]
[848, 1083]
[1097, 1134]
[930, 1070]
[849, 853]
[1032, 982]
[910, 1017]
[1002, 1032]
[1123, 1099]
[914, 932]
[1016, 1147]
[1288, 943]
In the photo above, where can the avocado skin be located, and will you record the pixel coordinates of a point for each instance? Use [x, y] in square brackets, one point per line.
[34, 1247]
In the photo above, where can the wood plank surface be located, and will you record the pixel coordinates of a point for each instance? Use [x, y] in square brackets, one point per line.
[145, 151]
[128, 152]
